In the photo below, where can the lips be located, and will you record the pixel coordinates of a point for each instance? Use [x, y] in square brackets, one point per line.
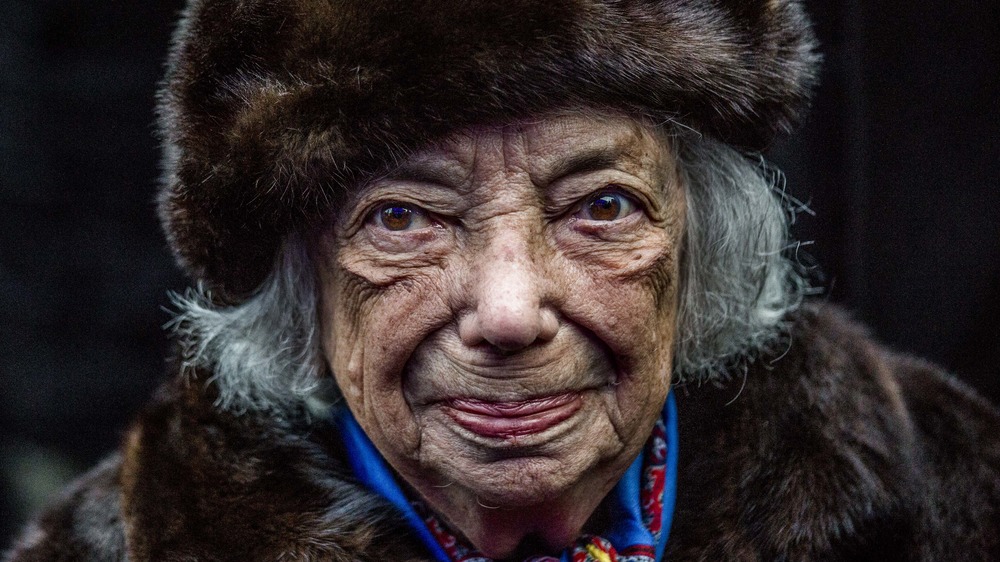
[513, 419]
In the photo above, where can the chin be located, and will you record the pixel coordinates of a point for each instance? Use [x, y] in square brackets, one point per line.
[522, 482]
[530, 469]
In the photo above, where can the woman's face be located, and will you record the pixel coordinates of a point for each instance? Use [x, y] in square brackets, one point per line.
[499, 313]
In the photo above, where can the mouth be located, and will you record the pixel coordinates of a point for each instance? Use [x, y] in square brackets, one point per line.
[513, 418]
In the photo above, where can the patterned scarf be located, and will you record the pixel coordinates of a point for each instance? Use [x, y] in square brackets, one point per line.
[641, 504]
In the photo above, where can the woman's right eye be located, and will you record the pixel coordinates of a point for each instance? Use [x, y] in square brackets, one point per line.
[400, 217]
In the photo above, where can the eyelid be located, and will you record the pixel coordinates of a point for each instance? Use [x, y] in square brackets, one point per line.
[643, 200]
[570, 190]
[374, 215]
[630, 204]
[435, 200]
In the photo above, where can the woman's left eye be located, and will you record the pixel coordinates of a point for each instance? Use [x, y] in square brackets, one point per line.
[607, 205]
[400, 217]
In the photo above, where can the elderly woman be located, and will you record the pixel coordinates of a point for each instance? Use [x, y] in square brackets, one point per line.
[463, 270]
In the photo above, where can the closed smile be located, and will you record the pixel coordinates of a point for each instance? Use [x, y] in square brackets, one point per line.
[513, 418]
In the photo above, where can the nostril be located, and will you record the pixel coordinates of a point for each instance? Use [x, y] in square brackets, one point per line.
[510, 342]
[507, 330]
[548, 325]
[469, 332]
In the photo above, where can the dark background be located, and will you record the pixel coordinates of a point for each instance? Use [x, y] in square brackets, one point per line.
[899, 161]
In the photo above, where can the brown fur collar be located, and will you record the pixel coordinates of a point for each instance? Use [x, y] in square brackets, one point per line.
[247, 488]
[272, 108]
[835, 449]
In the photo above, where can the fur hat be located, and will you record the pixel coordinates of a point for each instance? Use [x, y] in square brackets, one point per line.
[271, 109]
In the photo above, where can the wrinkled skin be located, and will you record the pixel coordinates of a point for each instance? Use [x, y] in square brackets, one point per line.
[531, 262]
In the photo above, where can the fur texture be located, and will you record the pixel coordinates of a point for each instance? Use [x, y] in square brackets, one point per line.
[836, 449]
[272, 108]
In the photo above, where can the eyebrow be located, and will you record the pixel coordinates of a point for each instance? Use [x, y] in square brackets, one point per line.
[589, 160]
[426, 172]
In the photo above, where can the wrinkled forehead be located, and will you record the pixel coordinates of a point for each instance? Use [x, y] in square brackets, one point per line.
[545, 148]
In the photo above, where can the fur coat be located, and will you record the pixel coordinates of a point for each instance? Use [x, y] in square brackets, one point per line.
[835, 448]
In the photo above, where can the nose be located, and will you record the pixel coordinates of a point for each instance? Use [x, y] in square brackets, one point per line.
[507, 287]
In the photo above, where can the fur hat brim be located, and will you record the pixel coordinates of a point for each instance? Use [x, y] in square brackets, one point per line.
[272, 109]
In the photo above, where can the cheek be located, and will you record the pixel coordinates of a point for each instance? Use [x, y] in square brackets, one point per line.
[346, 300]
[368, 311]
[627, 295]
[371, 328]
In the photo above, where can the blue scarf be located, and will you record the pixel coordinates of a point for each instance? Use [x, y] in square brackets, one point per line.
[627, 528]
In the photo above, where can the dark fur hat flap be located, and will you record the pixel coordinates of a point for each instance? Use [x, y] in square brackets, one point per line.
[273, 108]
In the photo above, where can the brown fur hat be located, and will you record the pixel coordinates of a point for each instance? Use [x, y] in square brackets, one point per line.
[272, 108]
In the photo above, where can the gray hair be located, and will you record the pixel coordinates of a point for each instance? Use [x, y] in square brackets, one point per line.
[737, 285]
[738, 281]
[264, 354]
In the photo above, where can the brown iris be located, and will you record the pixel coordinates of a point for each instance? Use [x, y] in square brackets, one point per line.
[396, 217]
[605, 207]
